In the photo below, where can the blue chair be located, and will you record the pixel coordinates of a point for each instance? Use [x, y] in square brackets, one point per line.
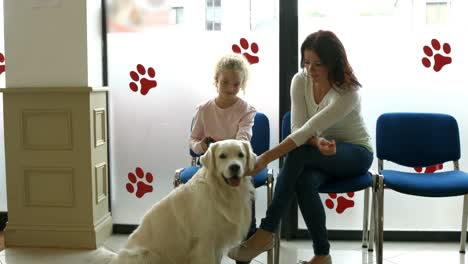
[260, 143]
[362, 182]
[420, 140]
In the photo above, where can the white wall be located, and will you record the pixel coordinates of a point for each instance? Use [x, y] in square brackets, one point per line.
[51, 48]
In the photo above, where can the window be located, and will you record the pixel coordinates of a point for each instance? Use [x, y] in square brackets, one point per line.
[169, 55]
[213, 15]
[437, 12]
[177, 15]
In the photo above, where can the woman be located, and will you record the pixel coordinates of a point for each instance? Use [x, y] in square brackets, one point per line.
[328, 139]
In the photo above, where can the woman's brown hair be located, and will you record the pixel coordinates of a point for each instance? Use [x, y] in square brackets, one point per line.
[332, 54]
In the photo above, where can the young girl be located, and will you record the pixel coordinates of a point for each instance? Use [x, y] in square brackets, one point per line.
[227, 116]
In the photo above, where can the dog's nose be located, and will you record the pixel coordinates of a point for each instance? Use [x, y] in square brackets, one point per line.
[234, 168]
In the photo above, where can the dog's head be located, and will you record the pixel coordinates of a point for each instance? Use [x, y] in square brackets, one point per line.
[231, 159]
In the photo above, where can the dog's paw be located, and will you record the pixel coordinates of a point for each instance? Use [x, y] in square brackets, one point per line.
[144, 84]
[101, 256]
[140, 180]
[342, 203]
[243, 49]
[439, 60]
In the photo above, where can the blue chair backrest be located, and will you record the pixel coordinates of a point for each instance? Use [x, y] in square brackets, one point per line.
[260, 134]
[417, 139]
[286, 125]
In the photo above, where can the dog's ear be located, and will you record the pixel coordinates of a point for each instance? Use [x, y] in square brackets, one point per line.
[251, 156]
[208, 159]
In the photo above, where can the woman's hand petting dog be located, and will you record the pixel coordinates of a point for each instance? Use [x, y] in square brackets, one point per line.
[260, 164]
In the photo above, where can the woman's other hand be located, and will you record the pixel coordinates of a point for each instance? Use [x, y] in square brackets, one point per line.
[326, 147]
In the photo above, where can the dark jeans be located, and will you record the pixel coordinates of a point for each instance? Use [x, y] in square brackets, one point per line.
[304, 170]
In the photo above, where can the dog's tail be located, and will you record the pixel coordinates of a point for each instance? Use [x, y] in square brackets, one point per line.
[103, 256]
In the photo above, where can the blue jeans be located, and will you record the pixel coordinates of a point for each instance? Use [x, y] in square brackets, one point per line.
[304, 170]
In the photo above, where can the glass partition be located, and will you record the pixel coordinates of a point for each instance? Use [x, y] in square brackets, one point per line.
[161, 57]
[409, 56]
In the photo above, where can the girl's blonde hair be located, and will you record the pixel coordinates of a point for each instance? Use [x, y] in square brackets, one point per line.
[234, 62]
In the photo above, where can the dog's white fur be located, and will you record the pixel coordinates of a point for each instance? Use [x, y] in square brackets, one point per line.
[199, 220]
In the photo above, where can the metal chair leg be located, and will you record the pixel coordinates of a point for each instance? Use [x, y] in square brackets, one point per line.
[463, 226]
[177, 177]
[372, 226]
[271, 253]
[277, 244]
[365, 220]
[373, 217]
[380, 219]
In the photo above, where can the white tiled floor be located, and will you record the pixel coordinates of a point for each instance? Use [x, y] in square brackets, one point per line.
[291, 252]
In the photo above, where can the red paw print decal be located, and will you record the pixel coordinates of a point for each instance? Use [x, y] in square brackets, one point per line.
[2, 61]
[140, 80]
[139, 182]
[339, 203]
[430, 169]
[244, 46]
[434, 51]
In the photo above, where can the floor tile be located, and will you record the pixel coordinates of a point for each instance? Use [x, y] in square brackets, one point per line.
[343, 252]
[428, 257]
[49, 256]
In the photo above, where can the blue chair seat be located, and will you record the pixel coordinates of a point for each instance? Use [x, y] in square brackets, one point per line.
[187, 173]
[261, 178]
[354, 184]
[440, 184]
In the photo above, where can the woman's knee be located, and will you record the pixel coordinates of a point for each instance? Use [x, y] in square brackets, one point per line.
[299, 154]
[310, 180]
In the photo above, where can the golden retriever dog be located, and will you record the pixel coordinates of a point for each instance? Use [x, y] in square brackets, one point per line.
[198, 221]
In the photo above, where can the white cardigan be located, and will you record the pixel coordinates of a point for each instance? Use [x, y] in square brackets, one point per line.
[337, 116]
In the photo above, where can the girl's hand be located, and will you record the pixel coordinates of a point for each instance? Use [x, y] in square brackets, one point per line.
[206, 143]
[260, 164]
[326, 147]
